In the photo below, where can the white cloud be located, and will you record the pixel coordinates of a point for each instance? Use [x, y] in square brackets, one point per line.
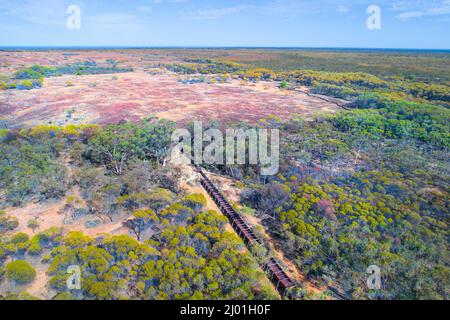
[286, 8]
[210, 14]
[400, 6]
[145, 9]
[111, 21]
[43, 12]
[53, 13]
[342, 9]
[409, 15]
[111, 18]
[169, 1]
[416, 9]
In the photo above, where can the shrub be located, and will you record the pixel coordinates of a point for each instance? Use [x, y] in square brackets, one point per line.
[27, 74]
[52, 235]
[284, 85]
[33, 224]
[19, 237]
[34, 248]
[8, 223]
[26, 84]
[22, 296]
[195, 201]
[77, 239]
[20, 272]
[64, 296]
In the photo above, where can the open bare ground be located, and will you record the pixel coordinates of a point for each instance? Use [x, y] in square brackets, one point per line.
[136, 95]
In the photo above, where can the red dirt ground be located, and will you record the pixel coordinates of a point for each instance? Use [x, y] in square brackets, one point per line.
[132, 96]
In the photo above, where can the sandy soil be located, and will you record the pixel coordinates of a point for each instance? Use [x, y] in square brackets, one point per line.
[50, 214]
[133, 96]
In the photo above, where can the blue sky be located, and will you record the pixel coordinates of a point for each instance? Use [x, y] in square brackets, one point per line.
[285, 23]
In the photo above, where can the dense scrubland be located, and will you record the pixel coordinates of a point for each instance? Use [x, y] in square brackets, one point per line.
[365, 186]
[186, 252]
[423, 66]
[346, 85]
[368, 186]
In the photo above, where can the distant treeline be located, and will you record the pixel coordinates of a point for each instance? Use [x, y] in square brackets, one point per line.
[348, 85]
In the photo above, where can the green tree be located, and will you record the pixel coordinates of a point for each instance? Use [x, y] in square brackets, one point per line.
[117, 145]
[195, 201]
[141, 220]
[33, 224]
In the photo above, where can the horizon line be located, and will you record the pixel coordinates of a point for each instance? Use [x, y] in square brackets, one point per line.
[217, 47]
